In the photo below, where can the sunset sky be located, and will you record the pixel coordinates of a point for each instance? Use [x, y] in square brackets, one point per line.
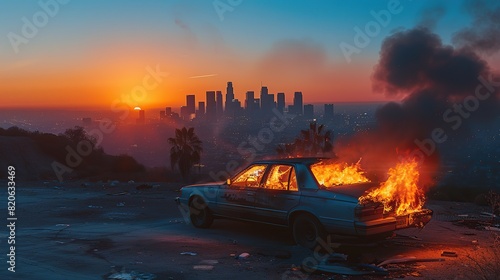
[94, 53]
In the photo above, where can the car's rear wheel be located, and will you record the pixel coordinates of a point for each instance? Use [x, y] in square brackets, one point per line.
[199, 213]
[307, 230]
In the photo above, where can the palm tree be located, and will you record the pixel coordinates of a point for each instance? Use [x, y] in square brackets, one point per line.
[185, 151]
[314, 141]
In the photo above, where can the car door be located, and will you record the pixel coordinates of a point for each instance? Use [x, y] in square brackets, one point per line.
[237, 199]
[277, 195]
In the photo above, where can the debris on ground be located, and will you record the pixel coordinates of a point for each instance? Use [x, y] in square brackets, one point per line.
[143, 187]
[119, 273]
[203, 267]
[206, 265]
[189, 253]
[209, 262]
[492, 228]
[243, 256]
[413, 237]
[114, 183]
[449, 254]
[487, 215]
[280, 254]
[345, 268]
[478, 224]
[409, 259]
[117, 194]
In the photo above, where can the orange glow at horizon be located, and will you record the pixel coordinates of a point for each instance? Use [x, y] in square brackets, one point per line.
[108, 80]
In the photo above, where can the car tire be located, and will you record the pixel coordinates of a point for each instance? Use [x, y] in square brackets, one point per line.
[199, 213]
[307, 230]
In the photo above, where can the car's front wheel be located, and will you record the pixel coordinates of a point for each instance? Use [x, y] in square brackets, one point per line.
[199, 213]
[307, 230]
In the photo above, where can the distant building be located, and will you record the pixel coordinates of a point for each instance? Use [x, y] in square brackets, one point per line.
[142, 117]
[168, 111]
[309, 111]
[185, 113]
[211, 109]
[201, 109]
[190, 103]
[250, 101]
[298, 103]
[328, 114]
[281, 101]
[264, 92]
[219, 105]
[162, 115]
[229, 97]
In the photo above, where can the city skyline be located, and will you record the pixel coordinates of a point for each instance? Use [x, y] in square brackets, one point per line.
[217, 105]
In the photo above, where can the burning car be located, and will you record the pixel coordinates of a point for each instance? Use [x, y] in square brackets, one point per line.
[313, 197]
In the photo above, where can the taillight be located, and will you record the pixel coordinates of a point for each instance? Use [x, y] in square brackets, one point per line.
[369, 212]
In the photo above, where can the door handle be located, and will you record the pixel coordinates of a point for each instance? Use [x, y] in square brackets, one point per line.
[250, 194]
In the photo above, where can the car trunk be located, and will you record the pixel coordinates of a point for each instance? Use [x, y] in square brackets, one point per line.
[374, 210]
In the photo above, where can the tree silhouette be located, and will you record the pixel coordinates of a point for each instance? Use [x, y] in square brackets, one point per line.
[314, 141]
[185, 151]
[78, 134]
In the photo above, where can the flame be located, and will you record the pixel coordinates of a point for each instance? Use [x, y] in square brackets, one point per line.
[400, 192]
[333, 174]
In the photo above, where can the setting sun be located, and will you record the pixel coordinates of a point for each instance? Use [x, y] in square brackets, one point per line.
[137, 108]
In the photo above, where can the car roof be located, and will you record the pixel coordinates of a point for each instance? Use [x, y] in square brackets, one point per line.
[301, 160]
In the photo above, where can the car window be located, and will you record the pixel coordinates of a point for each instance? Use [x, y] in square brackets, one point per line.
[250, 177]
[281, 177]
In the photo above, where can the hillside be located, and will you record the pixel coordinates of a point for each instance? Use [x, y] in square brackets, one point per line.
[24, 154]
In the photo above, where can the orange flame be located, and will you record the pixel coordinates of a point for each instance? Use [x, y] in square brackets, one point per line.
[333, 174]
[400, 192]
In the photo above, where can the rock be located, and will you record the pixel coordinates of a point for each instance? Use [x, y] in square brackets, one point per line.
[143, 187]
[243, 256]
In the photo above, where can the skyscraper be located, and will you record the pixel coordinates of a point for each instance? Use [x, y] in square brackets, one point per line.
[185, 115]
[190, 104]
[229, 97]
[309, 111]
[281, 101]
[250, 101]
[211, 109]
[219, 106]
[264, 99]
[201, 109]
[328, 115]
[297, 103]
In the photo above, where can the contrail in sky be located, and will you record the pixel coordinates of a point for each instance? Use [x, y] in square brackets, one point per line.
[203, 76]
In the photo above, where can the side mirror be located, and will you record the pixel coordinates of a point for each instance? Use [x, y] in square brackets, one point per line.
[228, 182]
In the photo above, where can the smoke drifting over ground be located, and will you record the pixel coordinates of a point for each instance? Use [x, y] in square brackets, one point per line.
[446, 92]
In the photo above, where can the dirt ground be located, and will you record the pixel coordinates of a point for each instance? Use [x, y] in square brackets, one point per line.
[82, 230]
